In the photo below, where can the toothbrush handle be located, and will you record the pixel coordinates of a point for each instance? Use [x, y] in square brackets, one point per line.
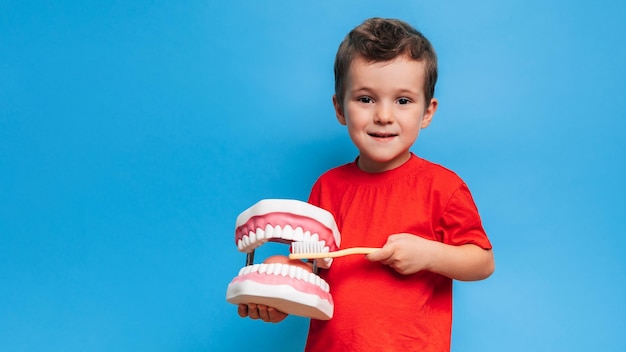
[340, 253]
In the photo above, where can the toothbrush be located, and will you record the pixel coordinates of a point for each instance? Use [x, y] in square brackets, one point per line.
[317, 250]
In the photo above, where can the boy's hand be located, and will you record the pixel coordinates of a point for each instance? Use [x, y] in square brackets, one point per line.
[406, 253]
[260, 311]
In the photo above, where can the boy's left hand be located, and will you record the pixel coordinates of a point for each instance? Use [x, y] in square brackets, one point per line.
[406, 253]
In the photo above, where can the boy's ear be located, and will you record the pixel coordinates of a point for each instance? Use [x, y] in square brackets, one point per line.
[429, 113]
[338, 110]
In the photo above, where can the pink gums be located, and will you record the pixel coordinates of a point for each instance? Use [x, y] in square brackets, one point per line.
[282, 219]
[300, 285]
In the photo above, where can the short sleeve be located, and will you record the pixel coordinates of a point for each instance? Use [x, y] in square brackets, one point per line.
[460, 222]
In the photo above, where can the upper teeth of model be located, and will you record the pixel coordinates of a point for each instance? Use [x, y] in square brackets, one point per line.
[254, 239]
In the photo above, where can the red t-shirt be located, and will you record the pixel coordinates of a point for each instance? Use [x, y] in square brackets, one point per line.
[376, 308]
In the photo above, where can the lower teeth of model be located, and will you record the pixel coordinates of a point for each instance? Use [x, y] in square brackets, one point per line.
[286, 270]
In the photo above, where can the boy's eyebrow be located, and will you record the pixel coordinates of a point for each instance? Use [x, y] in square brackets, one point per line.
[364, 88]
[408, 91]
[360, 91]
[399, 91]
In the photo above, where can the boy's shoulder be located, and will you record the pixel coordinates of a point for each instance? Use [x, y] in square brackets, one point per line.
[438, 169]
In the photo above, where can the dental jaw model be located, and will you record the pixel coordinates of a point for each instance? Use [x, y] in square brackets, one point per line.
[287, 285]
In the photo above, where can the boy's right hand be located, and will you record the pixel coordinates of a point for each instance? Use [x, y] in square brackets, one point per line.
[260, 311]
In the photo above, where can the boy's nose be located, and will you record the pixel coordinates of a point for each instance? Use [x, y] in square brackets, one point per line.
[384, 115]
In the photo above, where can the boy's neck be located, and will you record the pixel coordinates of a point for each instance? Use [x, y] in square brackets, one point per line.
[374, 167]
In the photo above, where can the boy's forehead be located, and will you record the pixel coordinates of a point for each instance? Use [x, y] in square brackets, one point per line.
[403, 67]
[360, 63]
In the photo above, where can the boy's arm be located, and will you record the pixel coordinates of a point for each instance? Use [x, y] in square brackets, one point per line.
[408, 254]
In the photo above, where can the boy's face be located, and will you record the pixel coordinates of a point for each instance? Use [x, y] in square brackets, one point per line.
[384, 110]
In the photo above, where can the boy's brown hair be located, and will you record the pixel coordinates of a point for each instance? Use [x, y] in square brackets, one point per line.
[380, 40]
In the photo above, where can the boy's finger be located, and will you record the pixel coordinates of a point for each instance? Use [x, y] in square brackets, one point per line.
[263, 314]
[380, 254]
[274, 315]
[242, 310]
[253, 311]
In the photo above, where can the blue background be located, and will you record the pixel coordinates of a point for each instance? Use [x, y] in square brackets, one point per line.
[132, 134]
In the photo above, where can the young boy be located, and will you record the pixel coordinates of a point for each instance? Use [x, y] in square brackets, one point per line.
[398, 298]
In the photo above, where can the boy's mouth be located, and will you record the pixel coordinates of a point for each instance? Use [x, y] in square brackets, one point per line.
[382, 134]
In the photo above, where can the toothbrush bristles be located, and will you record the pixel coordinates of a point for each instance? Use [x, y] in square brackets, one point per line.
[300, 247]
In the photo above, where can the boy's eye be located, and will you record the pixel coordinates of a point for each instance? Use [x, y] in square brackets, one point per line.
[403, 101]
[365, 100]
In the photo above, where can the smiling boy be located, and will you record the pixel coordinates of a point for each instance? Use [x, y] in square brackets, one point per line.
[398, 298]
[384, 109]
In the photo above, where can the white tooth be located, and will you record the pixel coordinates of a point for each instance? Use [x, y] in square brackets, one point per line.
[318, 281]
[325, 286]
[325, 249]
[298, 234]
[262, 268]
[315, 237]
[247, 269]
[277, 232]
[292, 271]
[287, 233]
[260, 234]
[284, 270]
[299, 273]
[246, 241]
[270, 268]
[276, 269]
[269, 231]
[241, 271]
[307, 236]
[252, 237]
[240, 245]
[303, 275]
[255, 268]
